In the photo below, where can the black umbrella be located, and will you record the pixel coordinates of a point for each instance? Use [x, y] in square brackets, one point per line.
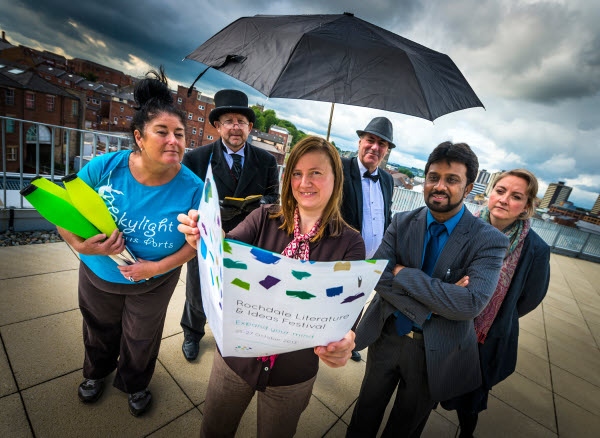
[338, 59]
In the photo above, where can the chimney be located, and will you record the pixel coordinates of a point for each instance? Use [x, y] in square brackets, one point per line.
[3, 36]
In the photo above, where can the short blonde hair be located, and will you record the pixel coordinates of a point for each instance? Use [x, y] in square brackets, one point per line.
[531, 190]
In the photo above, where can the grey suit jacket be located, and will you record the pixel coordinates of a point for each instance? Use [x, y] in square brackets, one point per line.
[475, 249]
[259, 174]
[352, 200]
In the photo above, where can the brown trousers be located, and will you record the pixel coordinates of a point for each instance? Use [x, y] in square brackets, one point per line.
[122, 327]
[228, 396]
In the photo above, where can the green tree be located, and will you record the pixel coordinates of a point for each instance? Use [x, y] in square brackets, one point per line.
[270, 119]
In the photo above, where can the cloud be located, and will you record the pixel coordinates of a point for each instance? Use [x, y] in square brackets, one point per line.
[535, 64]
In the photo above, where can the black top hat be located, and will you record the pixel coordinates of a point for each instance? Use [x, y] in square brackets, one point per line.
[231, 101]
[381, 127]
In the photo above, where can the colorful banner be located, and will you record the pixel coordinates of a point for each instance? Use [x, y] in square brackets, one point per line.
[260, 303]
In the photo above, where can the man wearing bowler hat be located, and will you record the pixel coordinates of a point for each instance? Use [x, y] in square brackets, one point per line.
[367, 200]
[239, 170]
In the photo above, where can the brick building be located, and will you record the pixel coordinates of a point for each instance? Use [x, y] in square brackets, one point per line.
[26, 96]
[101, 72]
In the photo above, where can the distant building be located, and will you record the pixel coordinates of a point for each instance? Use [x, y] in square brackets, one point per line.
[492, 180]
[197, 107]
[556, 194]
[401, 180]
[481, 182]
[270, 143]
[596, 207]
[285, 135]
[24, 95]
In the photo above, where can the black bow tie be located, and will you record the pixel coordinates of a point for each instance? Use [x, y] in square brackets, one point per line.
[374, 178]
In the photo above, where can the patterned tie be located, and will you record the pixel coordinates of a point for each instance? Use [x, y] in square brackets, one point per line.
[236, 167]
[402, 324]
[373, 178]
[432, 251]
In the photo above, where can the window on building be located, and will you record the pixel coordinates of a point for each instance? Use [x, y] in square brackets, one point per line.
[122, 108]
[200, 107]
[200, 119]
[10, 126]
[74, 108]
[179, 100]
[116, 120]
[190, 116]
[67, 82]
[10, 96]
[11, 153]
[29, 100]
[193, 131]
[50, 103]
[210, 137]
[192, 143]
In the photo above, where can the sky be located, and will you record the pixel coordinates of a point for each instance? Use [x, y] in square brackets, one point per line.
[535, 65]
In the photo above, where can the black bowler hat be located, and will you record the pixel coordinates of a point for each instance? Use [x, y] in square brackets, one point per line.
[231, 101]
[381, 127]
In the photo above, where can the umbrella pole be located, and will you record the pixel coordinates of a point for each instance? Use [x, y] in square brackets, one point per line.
[330, 117]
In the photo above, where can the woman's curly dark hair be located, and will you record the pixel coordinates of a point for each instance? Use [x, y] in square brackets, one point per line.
[153, 97]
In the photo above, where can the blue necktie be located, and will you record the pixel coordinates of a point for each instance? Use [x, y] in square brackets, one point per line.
[236, 167]
[432, 251]
[402, 323]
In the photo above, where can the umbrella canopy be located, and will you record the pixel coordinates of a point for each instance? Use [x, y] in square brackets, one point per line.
[338, 59]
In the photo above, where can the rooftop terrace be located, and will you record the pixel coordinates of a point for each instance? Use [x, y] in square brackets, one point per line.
[555, 391]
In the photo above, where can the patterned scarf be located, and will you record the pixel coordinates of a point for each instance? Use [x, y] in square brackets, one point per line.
[516, 233]
[299, 249]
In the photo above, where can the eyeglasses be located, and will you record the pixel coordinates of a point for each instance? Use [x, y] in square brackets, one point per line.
[230, 123]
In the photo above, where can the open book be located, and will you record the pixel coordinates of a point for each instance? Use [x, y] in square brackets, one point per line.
[242, 203]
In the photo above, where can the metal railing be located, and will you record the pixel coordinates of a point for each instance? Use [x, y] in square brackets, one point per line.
[38, 135]
[561, 239]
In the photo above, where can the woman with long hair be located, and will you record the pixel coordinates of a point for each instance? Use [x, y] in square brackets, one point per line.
[308, 226]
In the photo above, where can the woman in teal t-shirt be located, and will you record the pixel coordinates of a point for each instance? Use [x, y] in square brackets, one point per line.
[124, 307]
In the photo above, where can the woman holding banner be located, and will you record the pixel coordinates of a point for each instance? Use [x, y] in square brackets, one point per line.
[307, 226]
[124, 307]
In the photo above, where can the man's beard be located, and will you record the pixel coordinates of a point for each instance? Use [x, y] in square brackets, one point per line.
[439, 208]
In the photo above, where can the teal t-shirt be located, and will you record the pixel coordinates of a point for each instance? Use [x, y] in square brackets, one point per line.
[147, 215]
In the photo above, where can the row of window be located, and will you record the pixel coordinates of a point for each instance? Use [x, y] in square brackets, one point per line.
[191, 116]
[193, 142]
[30, 101]
[200, 107]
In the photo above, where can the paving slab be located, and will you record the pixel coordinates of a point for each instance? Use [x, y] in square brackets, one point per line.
[13, 420]
[7, 380]
[25, 298]
[44, 348]
[576, 390]
[57, 399]
[575, 422]
[27, 260]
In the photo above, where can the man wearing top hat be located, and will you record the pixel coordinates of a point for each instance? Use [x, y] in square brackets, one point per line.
[367, 200]
[239, 170]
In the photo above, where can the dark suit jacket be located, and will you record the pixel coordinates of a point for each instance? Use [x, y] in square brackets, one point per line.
[259, 175]
[475, 249]
[498, 354]
[352, 201]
